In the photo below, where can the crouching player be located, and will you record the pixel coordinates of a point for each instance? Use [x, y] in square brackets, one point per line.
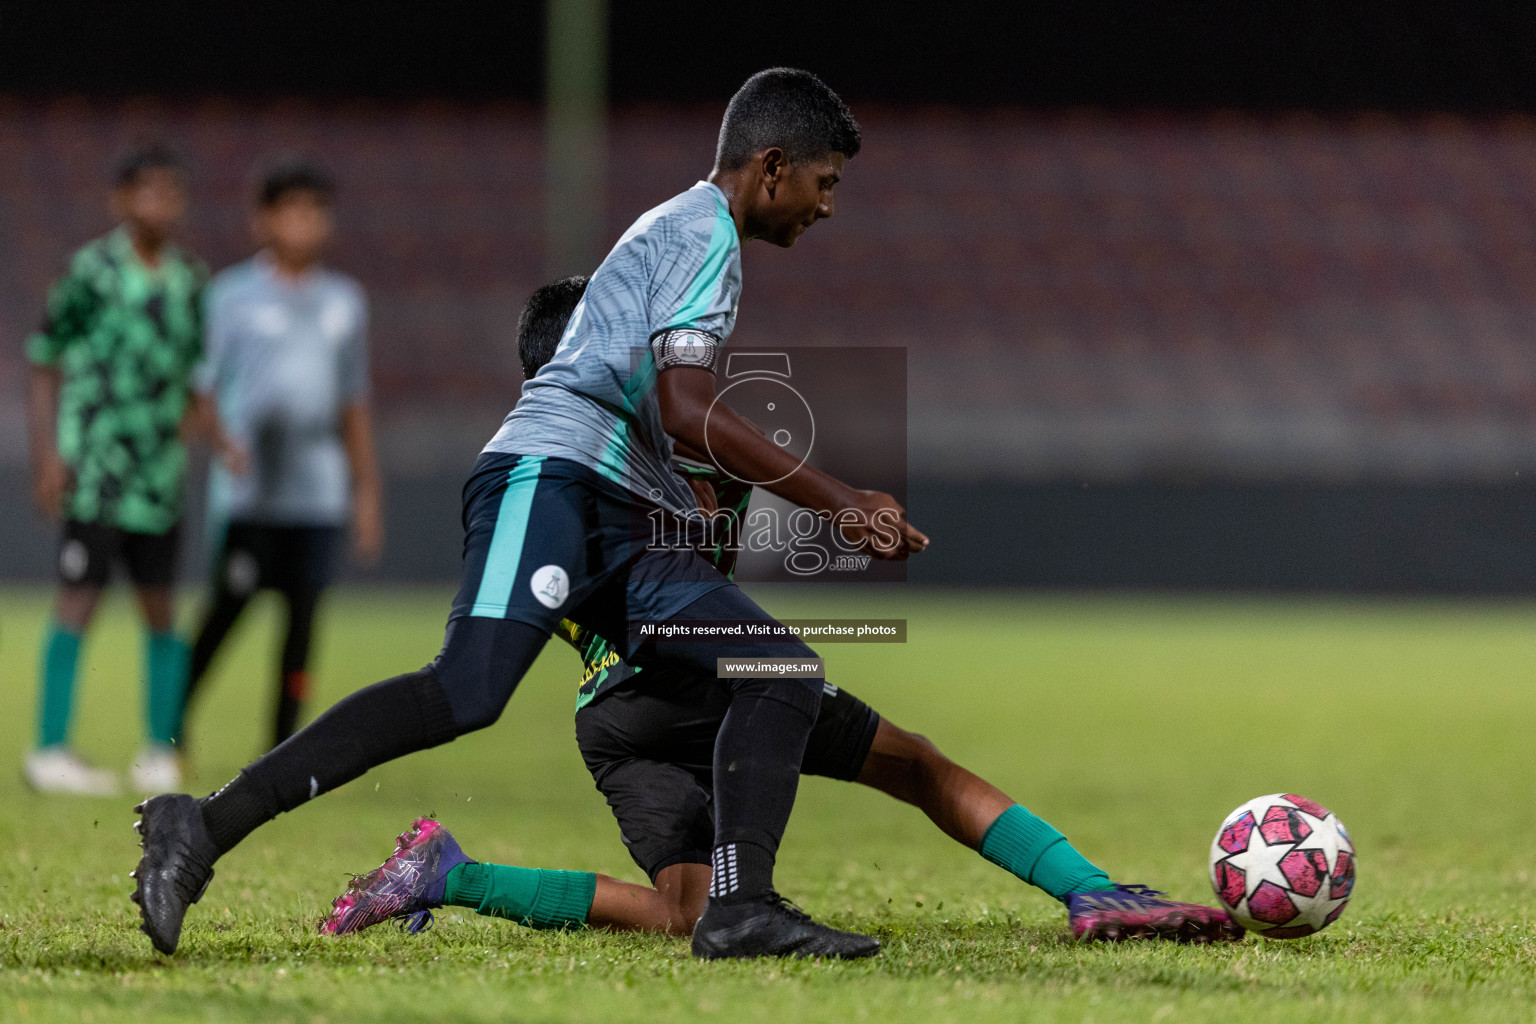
[648, 737]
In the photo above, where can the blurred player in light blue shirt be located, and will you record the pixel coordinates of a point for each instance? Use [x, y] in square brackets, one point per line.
[287, 365]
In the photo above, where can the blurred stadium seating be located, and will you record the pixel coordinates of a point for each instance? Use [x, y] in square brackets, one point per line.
[1084, 295]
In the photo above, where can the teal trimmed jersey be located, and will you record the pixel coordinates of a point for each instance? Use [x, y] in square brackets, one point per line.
[602, 670]
[677, 268]
[285, 358]
[124, 337]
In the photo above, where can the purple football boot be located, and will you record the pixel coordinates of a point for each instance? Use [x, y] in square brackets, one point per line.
[1136, 912]
[407, 885]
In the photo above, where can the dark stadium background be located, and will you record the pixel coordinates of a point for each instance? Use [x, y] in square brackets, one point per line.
[1200, 296]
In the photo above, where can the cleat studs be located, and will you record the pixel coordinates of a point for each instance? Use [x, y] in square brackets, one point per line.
[139, 808]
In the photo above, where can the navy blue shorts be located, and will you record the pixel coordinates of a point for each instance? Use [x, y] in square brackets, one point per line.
[547, 539]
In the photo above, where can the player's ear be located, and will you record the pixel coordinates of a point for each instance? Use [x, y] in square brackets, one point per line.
[775, 168]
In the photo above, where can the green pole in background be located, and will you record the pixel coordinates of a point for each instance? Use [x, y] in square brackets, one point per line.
[575, 135]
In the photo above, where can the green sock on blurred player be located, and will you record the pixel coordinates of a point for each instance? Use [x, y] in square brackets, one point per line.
[61, 656]
[165, 678]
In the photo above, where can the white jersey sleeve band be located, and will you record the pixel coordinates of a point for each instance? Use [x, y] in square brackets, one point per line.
[685, 346]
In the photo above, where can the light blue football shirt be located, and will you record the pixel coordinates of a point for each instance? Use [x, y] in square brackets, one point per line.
[594, 402]
[283, 358]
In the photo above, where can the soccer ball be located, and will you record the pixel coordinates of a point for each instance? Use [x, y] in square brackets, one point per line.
[1283, 866]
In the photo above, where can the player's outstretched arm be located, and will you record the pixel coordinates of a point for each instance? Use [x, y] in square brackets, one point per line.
[687, 397]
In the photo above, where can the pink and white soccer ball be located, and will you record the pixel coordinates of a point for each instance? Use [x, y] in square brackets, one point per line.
[1283, 866]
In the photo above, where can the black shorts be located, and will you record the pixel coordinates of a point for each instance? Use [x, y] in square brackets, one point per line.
[87, 551]
[257, 556]
[650, 747]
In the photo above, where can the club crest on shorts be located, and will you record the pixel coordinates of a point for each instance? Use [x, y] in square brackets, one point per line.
[550, 585]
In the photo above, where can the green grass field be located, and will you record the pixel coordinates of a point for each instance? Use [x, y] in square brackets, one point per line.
[1134, 724]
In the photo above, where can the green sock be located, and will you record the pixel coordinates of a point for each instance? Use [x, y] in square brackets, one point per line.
[530, 896]
[56, 685]
[165, 679]
[1034, 851]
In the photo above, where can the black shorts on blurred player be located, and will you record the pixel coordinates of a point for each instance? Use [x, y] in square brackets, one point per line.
[265, 556]
[88, 550]
[650, 747]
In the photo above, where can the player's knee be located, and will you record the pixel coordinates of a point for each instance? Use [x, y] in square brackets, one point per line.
[682, 915]
[476, 715]
[683, 889]
[476, 692]
[686, 910]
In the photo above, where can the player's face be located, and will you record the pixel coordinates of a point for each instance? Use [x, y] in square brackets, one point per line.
[154, 203]
[296, 227]
[803, 196]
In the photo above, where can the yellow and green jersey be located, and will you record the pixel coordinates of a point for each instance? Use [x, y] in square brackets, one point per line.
[602, 669]
[124, 337]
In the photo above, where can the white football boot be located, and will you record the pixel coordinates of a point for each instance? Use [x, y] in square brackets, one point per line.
[156, 769]
[57, 769]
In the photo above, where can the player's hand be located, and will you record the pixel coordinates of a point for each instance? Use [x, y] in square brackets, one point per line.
[704, 494]
[235, 458]
[882, 524]
[50, 481]
[368, 528]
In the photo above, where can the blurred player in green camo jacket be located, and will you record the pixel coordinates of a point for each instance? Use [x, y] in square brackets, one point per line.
[110, 387]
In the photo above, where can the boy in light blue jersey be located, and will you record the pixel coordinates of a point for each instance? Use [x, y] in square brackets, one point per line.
[558, 524]
[287, 358]
[675, 277]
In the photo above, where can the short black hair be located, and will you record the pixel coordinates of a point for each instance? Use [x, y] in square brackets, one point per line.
[153, 156]
[788, 108]
[543, 321]
[293, 174]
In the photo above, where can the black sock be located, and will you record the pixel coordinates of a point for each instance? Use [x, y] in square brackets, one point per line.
[373, 725]
[740, 873]
[293, 675]
[290, 702]
[222, 615]
[758, 753]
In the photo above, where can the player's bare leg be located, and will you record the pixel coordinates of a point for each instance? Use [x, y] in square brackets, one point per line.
[77, 605]
[973, 812]
[910, 768]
